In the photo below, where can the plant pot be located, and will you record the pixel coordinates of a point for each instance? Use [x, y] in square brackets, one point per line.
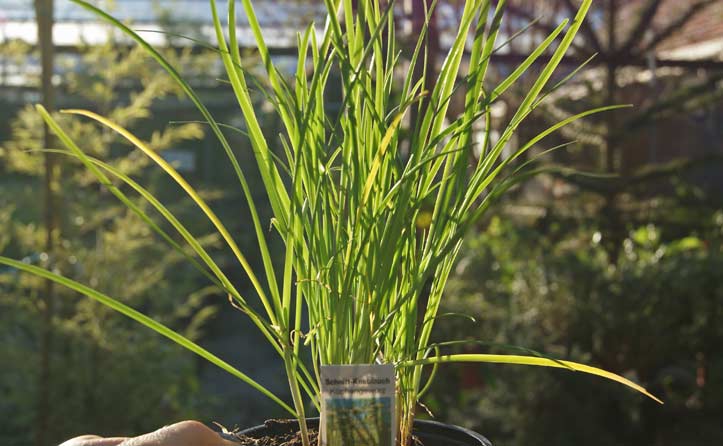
[429, 433]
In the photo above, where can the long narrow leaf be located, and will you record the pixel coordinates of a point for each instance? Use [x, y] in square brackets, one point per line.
[192, 193]
[530, 360]
[147, 321]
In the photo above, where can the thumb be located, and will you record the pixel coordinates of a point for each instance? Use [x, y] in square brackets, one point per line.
[94, 440]
[185, 433]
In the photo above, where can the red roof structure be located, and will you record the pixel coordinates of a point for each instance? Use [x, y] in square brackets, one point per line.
[703, 27]
[677, 32]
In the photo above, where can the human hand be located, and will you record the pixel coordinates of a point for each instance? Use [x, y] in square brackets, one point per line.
[185, 433]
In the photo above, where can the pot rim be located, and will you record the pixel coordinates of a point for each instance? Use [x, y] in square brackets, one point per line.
[429, 427]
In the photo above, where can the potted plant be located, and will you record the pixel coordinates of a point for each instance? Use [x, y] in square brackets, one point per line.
[370, 232]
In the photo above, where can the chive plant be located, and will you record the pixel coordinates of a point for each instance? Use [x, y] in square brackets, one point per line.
[347, 202]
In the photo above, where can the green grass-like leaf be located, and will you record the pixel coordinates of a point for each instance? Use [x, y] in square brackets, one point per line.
[371, 232]
[534, 361]
[146, 321]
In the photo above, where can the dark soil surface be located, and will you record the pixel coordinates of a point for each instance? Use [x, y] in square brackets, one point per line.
[288, 435]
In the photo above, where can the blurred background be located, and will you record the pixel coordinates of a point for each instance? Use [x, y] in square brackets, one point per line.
[623, 270]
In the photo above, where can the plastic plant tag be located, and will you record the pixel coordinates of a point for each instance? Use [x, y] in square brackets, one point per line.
[357, 405]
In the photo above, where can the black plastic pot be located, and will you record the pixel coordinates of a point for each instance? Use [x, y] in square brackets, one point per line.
[429, 433]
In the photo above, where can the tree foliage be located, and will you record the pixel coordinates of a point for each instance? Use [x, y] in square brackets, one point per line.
[551, 285]
[105, 372]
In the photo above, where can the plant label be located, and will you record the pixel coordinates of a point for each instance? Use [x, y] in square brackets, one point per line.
[357, 405]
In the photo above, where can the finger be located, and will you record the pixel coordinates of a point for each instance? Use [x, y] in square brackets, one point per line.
[114, 441]
[185, 433]
[94, 440]
[77, 440]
